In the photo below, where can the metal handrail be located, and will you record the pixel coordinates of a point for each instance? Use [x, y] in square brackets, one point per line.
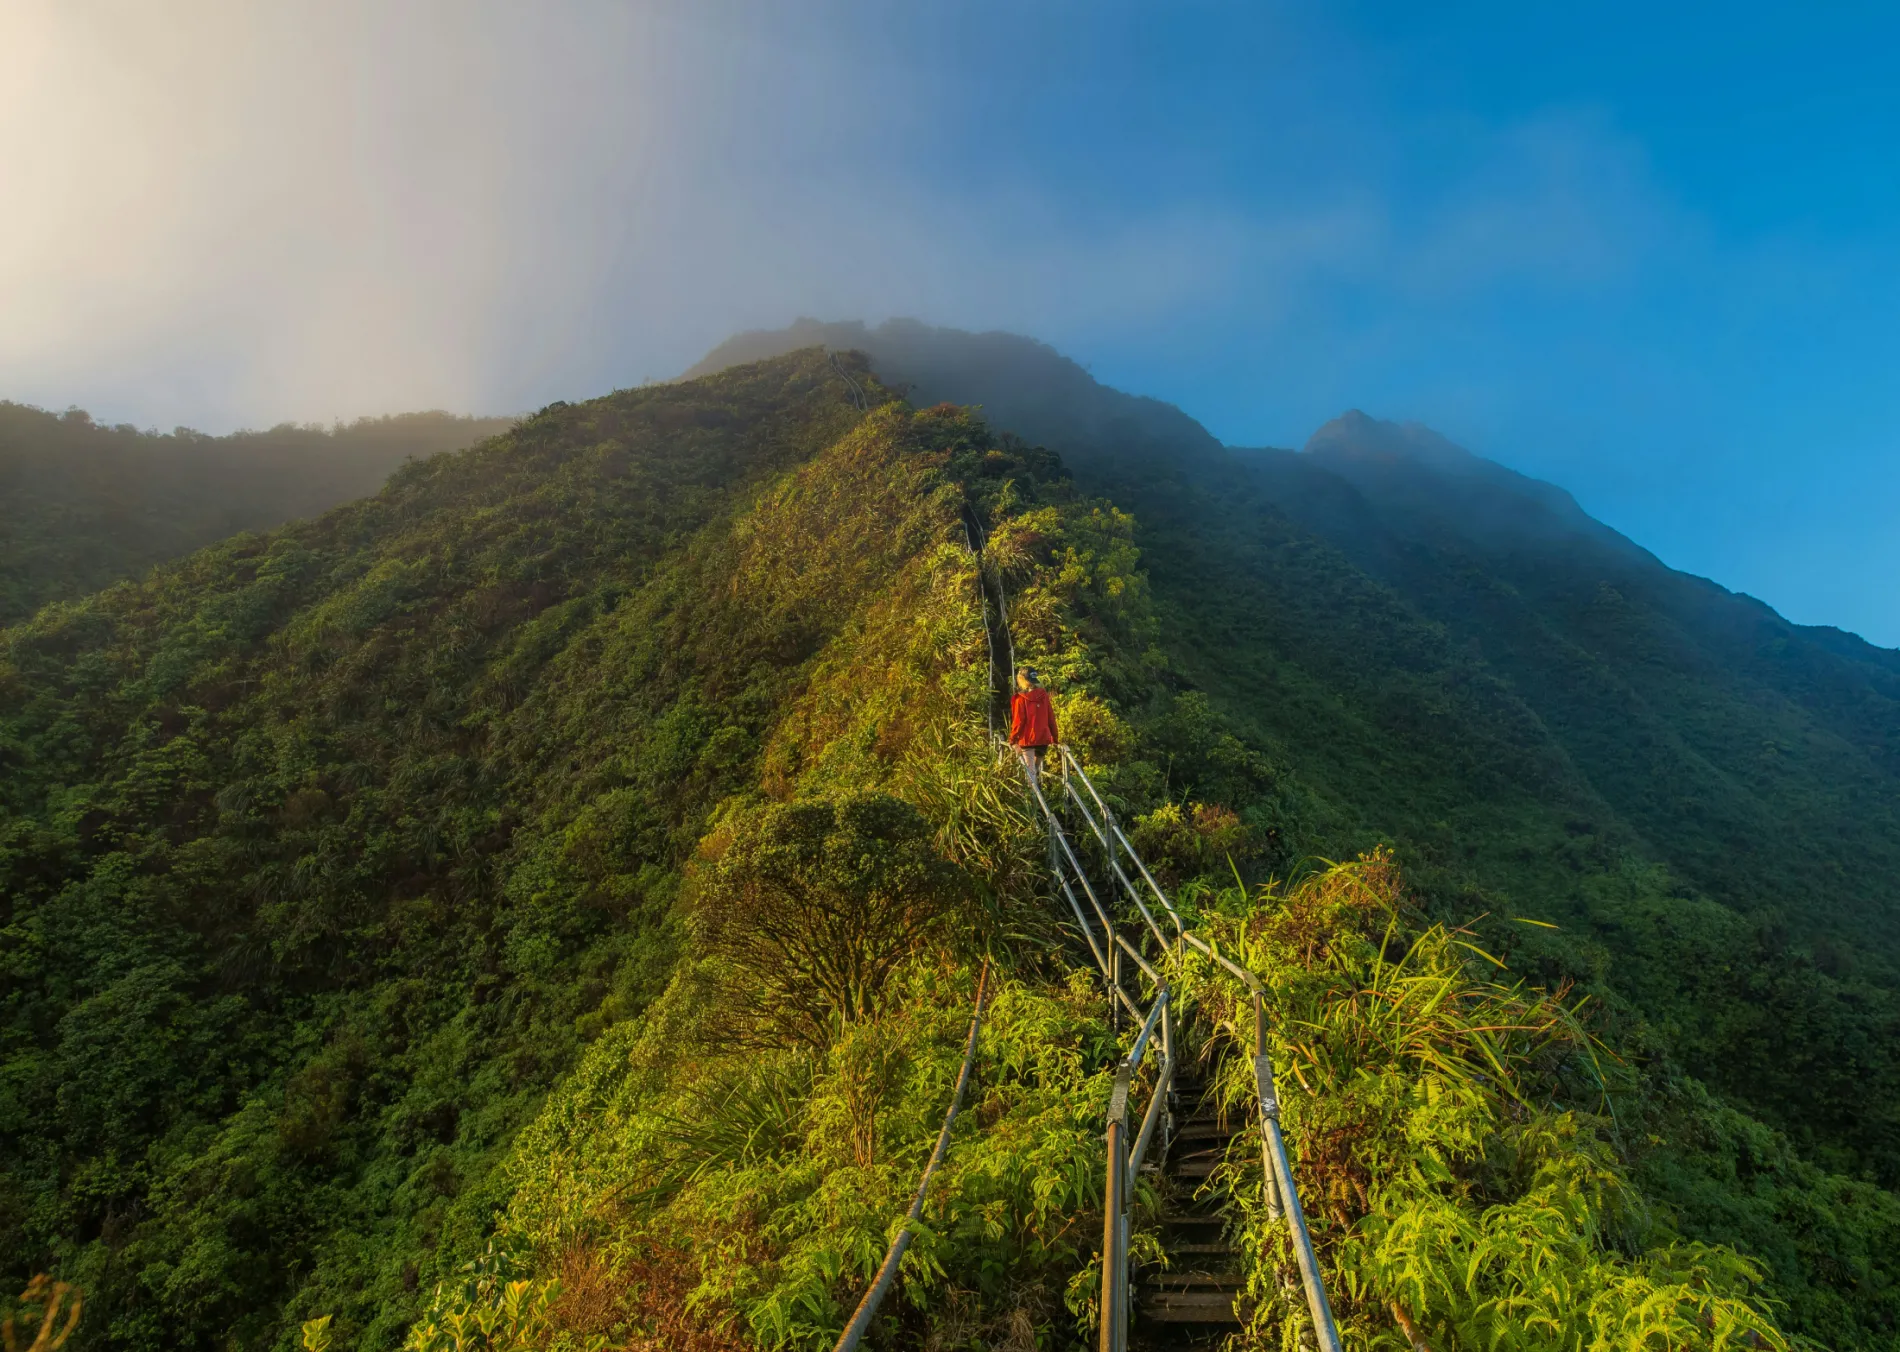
[1283, 1201]
[1124, 1163]
[887, 1273]
[1103, 834]
[850, 382]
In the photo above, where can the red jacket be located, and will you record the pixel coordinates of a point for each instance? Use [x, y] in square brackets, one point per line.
[1032, 718]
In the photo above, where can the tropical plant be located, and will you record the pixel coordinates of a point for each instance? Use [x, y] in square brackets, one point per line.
[1456, 1156]
[49, 1300]
[810, 908]
[490, 1309]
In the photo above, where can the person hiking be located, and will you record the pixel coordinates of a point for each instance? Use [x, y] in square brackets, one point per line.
[1032, 720]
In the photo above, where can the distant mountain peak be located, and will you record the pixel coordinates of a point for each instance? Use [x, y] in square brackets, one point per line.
[1360, 435]
[1429, 484]
[1022, 384]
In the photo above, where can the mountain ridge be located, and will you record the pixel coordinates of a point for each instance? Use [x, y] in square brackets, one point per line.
[903, 348]
[356, 883]
[84, 505]
[1497, 501]
[1425, 667]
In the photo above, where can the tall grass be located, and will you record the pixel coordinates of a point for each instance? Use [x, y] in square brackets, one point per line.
[1452, 1139]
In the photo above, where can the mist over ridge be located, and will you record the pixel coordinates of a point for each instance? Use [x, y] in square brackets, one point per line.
[603, 878]
[83, 505]
[1028, 387]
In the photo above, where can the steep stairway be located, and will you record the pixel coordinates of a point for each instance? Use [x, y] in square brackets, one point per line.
[1137, 940]
[1191, 1302]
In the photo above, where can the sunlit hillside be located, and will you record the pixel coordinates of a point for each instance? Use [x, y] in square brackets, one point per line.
[383, 896]
[83, 505]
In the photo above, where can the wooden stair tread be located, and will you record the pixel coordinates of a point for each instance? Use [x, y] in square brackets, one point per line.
[1204, 1304]
[1192, 1281]
[1202, 1289]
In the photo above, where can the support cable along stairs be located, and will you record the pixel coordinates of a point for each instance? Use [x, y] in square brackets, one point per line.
[1202, 1285]
[1196, 1291]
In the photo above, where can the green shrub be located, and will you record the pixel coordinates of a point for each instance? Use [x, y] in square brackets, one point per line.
[810, 908]
[1452, 1142]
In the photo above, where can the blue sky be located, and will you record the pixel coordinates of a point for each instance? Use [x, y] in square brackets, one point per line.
[1648, 252]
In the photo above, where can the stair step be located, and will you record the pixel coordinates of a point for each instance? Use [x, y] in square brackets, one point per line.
[1210, 1140]
[1191, 1132]
[1190, 1310]
[1206, 1145]
[1192, 1280]
[1190, 1297]
[1198, 1304]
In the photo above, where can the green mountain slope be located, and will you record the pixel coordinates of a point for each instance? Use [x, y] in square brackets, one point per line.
[1547, 720]
[83, 506]
[324, 851]
[383, 901]
[1755, 756]
[1738, 741]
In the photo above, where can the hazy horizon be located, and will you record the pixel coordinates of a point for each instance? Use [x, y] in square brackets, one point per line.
[1649, 257]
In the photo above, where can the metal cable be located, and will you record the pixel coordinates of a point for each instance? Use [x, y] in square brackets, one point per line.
[857, 390]
[1282, 1196]
[887, 1274]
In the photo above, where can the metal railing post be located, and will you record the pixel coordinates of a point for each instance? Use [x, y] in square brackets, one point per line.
[1167, 1107]
[1281, 1189]
[1274, 1210]
[1114, 1329]
[1128, 1287]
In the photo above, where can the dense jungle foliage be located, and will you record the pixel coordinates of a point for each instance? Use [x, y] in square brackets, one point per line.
[84, 505]
[1545, 719]
[383, 900]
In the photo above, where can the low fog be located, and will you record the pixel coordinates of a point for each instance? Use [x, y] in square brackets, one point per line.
[230, 215]
[243, 213]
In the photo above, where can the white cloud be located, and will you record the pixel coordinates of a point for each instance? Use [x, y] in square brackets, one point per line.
[225, 212]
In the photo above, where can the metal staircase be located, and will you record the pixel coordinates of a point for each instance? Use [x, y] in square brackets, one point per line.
[1194, 1298]
[1121, 904]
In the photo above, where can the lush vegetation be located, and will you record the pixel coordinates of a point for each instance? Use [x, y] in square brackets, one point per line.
[325, 851]
[384, 900]
[1544, 719]
[1457, 1140]
[1545, 722]
[83, 505]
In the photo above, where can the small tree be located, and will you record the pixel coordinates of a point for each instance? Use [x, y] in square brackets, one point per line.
[811, 907]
